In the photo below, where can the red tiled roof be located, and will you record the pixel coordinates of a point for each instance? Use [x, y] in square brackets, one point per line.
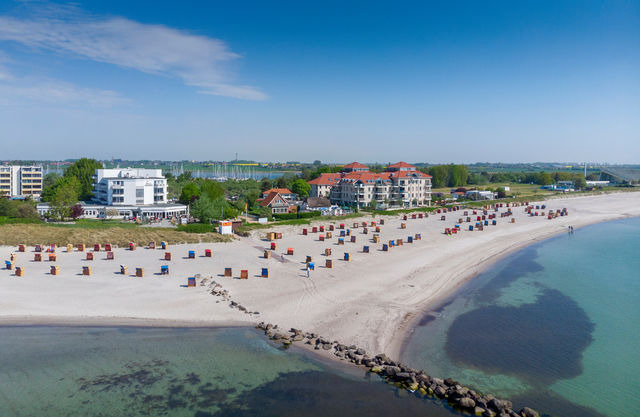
[355, 165]
[326, 179]
[278, 190]
[365, 176]
[332, 179]
[405, 174]
[269, 199]
[401, 165]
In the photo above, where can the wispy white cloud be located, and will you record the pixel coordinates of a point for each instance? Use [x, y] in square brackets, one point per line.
[5, 75]
[198, 61]
[56, 92]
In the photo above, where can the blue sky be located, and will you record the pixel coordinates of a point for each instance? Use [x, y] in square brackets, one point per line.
[336, 81]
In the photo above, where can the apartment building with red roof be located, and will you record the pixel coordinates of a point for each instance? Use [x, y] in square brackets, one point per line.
[321, 186]
[400, 184]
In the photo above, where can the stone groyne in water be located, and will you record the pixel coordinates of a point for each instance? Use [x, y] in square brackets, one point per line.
[461, 398]
[402, 376]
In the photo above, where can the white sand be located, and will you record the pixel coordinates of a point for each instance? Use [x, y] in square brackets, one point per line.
[370, 301]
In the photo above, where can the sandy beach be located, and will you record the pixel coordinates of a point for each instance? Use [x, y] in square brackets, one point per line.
[371, 301]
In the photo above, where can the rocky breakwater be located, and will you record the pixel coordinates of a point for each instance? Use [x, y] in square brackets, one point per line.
[402, 376]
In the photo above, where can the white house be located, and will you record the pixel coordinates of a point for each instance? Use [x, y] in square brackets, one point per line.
[479, 195]
[130, 187]
[597, 183]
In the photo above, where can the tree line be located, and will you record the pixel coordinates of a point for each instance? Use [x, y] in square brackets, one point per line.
[458, 175]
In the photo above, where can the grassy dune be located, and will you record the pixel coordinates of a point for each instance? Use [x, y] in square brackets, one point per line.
[116, 234]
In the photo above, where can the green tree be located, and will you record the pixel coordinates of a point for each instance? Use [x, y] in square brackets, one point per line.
[562, 176]
[477, 179]
[223, 210]
[301, 187]
[49, 190]
[207, 209]
[457, 175]
[27, 210]
[189, 193]
[544, 178]
[50, 179]
[265, 212]
[285, 181]
[185, 177]
[204, 209]
[7, 208]
[83, 171]
[240, 188]
[579, 182]
[173, 188]
[212, 189]
[265, 184]
[65, 197]
[440, 176]
[251, 198]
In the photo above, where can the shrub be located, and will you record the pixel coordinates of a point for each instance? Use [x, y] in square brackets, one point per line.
[196, 228]
[292, 216]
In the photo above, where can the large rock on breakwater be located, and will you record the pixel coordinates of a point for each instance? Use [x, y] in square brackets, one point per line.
[403, 376]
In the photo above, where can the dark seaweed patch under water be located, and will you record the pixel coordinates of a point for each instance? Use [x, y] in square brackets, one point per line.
[552, 401]
[141, 381]
[523, 262]
[551, 334]
[151, 388]
[312, 393]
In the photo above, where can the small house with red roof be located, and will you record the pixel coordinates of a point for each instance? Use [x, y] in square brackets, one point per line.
[276, 202]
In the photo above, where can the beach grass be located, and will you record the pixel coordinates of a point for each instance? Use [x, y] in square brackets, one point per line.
[90, 232]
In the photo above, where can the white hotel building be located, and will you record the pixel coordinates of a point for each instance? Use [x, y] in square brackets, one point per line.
[20, 181]
[129, 186]
[128, 193]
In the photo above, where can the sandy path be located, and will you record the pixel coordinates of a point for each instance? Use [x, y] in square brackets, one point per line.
[370, 301]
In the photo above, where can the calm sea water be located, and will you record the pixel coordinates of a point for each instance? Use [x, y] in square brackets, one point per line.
[71, 371]
[554, 326]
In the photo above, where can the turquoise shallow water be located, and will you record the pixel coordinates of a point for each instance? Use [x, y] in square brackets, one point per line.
[75, 371]
[554, 326]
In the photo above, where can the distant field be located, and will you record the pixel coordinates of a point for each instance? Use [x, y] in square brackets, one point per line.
[516, 190]
[532, 191]
[90, 232]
